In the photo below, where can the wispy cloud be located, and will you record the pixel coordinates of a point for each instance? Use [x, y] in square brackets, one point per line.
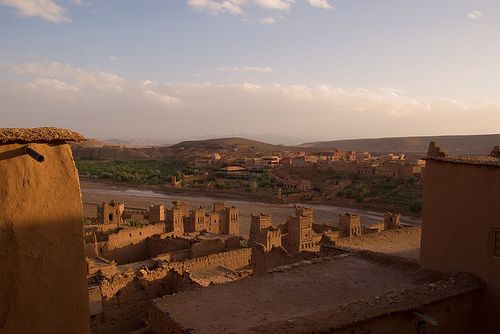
[235, 7]
[274, 4]
[257, 69]
[99, 80]
[475, 15]
[217, 6]
[51, 85]
[320, 4]
[45, 9]
[267, 20]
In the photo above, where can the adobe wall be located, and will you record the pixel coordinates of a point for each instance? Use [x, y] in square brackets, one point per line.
[455, 315]
[461, 209]
[126, 296]
[111, 213]
[43, 285]
[157, 246]
[263, 261]
[207, 247]
[174, 256]
[130, 244]
[157, 214]
[125, 308]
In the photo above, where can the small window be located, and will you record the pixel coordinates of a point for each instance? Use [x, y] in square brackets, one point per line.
[110, 217]
[496, 245]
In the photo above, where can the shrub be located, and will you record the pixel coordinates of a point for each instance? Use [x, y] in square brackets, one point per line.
[416, 206]
[220, 185]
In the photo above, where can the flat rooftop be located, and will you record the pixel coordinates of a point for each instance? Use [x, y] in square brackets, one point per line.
[312, 296]
[485, 160]
[403, 242]
[46, 134]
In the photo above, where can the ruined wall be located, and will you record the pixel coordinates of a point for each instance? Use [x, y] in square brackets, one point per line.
[206, 247]
[157, 246]
[126, 296]
[125, 309]
[130, 244]
[111, 213]
[461, 212]
[392, 221]
[172, 256]
[262, 260]
[350, 224]
[43, 286]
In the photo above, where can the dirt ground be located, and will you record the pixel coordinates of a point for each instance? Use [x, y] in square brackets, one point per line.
[94, 193]
[404, 242]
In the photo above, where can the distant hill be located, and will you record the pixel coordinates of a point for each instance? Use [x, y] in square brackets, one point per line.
[240, 144]
[461, 144]
[95, 150]
[92, 149]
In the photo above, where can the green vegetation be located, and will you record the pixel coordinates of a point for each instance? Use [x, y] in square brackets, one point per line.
[416, 206]
[140, 172]
[220, 185]
[394, 191]
[133, 223]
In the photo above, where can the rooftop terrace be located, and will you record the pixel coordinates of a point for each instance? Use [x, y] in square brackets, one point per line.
[313, 296]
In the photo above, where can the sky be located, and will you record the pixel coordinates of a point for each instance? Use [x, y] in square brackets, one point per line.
[282, 71]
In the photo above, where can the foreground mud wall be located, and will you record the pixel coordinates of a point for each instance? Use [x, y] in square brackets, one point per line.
[42, 268]
[461, 213]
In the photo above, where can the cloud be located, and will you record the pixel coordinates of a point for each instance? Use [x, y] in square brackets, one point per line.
[149, 89]
[89, 101]
[320, 4]
[217, 6]
[51, 85]
[475, 15]
[267, 20]
[235, 7]
[274, 4]
[104, 81]
[45, 9]
[162, 98]
[257, 69]
[113, 58]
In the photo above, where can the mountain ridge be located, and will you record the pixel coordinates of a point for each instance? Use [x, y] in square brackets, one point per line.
[458, 144]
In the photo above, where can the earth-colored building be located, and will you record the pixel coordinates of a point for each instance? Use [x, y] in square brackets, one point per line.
[461, 224]
[43, 287]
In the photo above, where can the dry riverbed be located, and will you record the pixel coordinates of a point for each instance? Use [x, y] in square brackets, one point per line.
[135, 197]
